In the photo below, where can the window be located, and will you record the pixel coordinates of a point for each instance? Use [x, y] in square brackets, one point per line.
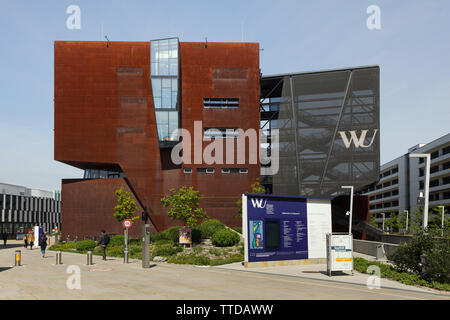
[446, 166]
[187, 170]
[421, 172]
[243, 170]
[434, 169]
[446, 150]
[394, 182]
[434, 183]
[225, 170]
[434, 154]
[221, 103]
[205, 170]
[445, 180]
[212, 133]
[272, 234]
[421, 185]
[395, 170]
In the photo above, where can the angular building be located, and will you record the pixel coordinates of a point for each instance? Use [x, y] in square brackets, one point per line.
[22, 208]
[117, 105]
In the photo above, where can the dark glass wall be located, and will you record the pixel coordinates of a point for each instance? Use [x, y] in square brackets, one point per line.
[328, 130]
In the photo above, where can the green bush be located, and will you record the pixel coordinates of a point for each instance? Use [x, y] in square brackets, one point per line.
[238, 229]
[196, 235]
[117, 240]
[86, 245]
[407, 257]
[166, 250]
[209, 227]
[173, 234]
[438, 263]
[225, 238]
[114, 251]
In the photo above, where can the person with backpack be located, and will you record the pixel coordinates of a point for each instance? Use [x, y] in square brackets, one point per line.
[31, 241]
[43, 243]
[103, 241]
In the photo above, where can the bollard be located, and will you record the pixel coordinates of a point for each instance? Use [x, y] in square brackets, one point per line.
[125, 256]
[58, 257]
[89, 258]
[18, 258]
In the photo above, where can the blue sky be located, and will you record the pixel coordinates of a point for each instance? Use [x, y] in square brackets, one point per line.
[412, 49]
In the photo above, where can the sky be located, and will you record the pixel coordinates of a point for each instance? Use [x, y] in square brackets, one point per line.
[411, 47]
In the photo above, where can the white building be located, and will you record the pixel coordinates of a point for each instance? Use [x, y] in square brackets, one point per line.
[402, 180]
[22, 207]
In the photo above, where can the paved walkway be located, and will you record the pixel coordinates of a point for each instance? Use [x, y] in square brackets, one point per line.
[41, 278]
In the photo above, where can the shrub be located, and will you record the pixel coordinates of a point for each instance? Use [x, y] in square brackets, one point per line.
[86, 245]
[167, 250]
[225, 238]
[407, 257]
[209, 227]
[438, 263]
[196, 235]
[238, 229]
[117, 240]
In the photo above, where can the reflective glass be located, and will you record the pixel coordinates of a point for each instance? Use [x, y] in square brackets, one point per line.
[166, 101]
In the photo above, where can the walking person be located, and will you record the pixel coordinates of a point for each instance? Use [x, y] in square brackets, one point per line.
[5, 238]
[25, 241]
[43, 243]
[31, 241]
[103, 241]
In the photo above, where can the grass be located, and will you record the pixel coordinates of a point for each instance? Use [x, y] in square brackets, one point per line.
[389, 272]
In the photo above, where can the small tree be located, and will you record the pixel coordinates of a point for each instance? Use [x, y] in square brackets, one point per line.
[184, 206]
[257, 188]
[126, 206]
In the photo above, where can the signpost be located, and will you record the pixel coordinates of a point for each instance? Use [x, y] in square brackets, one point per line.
[145, 240]
[126, 224]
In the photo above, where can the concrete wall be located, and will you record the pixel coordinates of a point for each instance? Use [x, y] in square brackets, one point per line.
[370, 247]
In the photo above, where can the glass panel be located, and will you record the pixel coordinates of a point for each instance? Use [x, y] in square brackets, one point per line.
[161, 117]
[173, 123]
[156, 86]
[175, 84]
[173, 70]
[162, 131]
[174, 100]
[166, 98]
[163, 67]
[157, 102]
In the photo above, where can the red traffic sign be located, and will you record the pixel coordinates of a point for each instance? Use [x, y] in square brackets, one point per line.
[127, 223]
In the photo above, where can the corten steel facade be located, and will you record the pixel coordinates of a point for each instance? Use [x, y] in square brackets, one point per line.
[106, 123]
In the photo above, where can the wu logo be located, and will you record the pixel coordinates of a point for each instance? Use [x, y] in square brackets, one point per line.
[260, 203]
[357, 141]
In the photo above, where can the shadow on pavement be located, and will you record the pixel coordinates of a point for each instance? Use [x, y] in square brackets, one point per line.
[5, 268]
[13, 245]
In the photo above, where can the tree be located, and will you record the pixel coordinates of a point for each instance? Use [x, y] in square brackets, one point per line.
[434, 226]
[257, 188]
[126, 206]
[184, 206]
[396, 221]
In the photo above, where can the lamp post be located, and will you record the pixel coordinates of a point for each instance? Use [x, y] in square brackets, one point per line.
[382, 213]
[426, 184]
[407, 213]
[442, 225]
[351, 208]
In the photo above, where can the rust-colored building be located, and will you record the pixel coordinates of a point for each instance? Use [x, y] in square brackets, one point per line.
[116, 104]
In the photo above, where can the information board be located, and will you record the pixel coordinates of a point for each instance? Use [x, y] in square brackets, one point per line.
[285, 228]
[339, 252]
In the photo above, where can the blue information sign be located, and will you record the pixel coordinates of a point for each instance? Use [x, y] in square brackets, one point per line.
[277, 228]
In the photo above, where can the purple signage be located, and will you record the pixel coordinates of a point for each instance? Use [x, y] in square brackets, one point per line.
[277, 228]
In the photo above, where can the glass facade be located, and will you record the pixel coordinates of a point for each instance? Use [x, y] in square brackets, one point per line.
[164, 79]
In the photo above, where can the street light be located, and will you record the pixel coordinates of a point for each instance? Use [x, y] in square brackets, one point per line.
[426, 184]
[351, 208]
[442, 210]
[382, 213]
[407, 213]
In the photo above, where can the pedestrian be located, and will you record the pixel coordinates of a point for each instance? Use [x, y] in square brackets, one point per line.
[43, 243]
[31, 241]
[103, 241]
[25, 241]
[5, 238]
